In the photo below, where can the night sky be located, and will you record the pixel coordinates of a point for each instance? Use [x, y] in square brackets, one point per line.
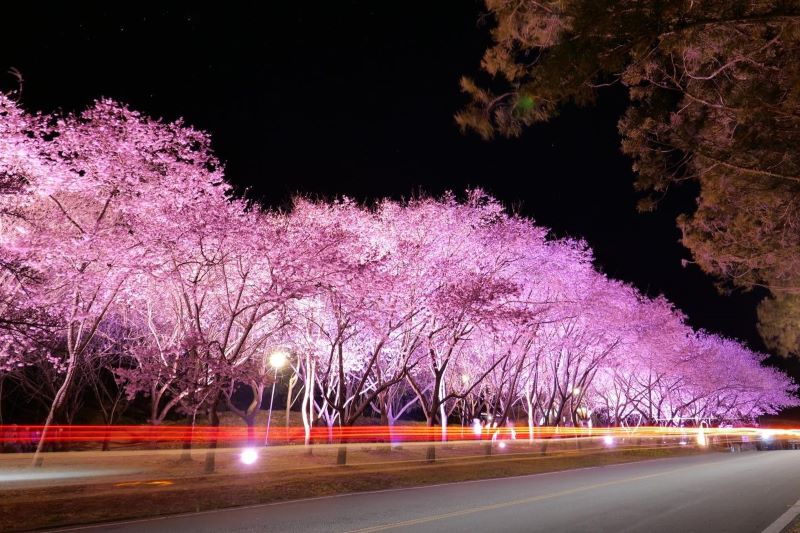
[357, 99]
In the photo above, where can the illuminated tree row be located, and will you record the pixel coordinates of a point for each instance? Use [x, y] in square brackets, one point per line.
[128, 270]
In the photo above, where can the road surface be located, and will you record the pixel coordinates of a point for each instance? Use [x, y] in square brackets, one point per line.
[713, 492]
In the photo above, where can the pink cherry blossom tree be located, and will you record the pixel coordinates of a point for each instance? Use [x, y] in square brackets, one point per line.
[80, 221]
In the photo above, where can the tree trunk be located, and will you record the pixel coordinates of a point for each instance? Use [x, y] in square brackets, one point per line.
[341, 453]
[531, 418]
[430, 455]
[292, 381]
[2, 380]
[442, 411]
[152, 441]
[391, 420]
[55, 407]
[545, 443]
[186, 445]
[307, 405]
[186, 453]
[443, 417]
[382, 405]
[106, 444]
[250, 421]
[211, 457]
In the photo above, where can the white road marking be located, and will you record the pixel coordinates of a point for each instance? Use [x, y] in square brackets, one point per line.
[784, 520]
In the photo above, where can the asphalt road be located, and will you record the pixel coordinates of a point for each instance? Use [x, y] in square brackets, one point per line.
[715, 492]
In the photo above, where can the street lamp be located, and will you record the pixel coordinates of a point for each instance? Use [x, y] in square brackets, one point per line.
[277, 360]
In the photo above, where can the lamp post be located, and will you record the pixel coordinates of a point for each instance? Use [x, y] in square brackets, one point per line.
[465, 383]
[277, 360]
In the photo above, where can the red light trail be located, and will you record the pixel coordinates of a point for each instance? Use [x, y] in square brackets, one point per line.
[355, 434]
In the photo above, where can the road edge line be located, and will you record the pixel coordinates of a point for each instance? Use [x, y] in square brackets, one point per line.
[784, 520]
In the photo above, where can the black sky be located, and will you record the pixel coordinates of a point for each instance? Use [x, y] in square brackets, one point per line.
[357, 98]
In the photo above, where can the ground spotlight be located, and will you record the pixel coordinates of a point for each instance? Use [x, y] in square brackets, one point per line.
[477, 428]
[248, 456]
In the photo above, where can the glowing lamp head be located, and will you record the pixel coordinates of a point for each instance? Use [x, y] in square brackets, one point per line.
[576, 391]
[608, 440]
[766, 436]
[278, 359]
[464, 379]
[501, 445]
[248, 456]
[701, 439]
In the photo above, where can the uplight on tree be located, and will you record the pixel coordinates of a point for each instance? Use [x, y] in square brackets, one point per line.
[248, 456]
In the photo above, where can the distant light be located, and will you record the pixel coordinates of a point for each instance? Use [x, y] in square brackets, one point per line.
[701, 439]
[464, 379]
[278, 359]
[608, 440]
[248, 456]
[766, 435]
[502, 445]
[576, 391]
